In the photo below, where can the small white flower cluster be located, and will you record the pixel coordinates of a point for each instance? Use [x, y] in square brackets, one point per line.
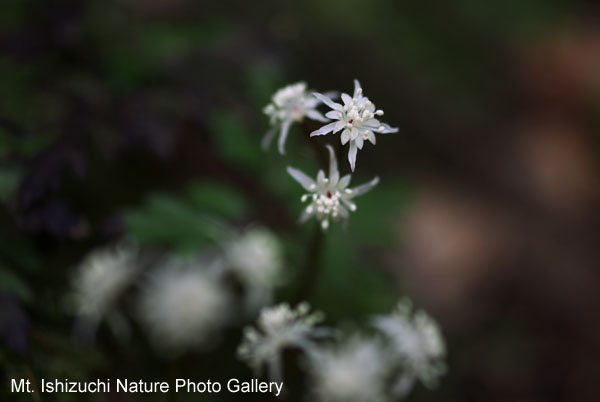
[359, 368]
[353, 371]
[182, 303]
[101, 278]
[330, 197]
[256, 258]
[279, 327]
[291, 104]
[98, 283]
[355, 118]
[183, 306]
[417, 343]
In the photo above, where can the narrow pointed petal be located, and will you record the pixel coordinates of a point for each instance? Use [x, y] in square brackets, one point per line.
[285, 128]
[344, 181]
[321, 179]
[359, 142]
[351, 206]
[316, 115]
[339, 125]
[326, 129]
[333, 114]
[387, 129]
[305, 181]
[305, 215]
[343, 212]
[352, 155]
[345, 136]
[328, 102]
[363, 188]
[357, 88]
[372, 137]
[331, 94]
[266, 141]
[346, 99]
[333, 166]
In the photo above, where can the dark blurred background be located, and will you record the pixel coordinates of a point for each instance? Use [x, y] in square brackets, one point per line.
[128, 118]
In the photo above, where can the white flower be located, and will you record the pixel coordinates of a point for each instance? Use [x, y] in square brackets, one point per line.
[330, 198]
[183, 306]
[355, 371]
[256, 257]
[101, 278]
[279, 327]
[418, 343]
[290, 105]
[355, 118]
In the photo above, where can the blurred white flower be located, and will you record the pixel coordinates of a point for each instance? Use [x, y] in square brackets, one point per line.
[101, 277]
[183, 306]
[355, 118]
[418, 344]
[330, 198]
[354, 371]
[279, 327]
[256, 258]
[290, 105]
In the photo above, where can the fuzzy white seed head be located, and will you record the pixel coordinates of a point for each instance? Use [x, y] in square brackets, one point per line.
[416, 340]
[353, 371]
[182, 307]
[278, 327]
[102, 277]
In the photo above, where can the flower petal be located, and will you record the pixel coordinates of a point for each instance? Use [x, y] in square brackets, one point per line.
[357, 89]
[363, 188]
[316, 115]
[285, 128]
[387, 129]
[350, 204]
[359, 142]
[328, 101]
[326, 129]
[333, 114]
[333, 167]
[321, 179]
[305, 215]
[371, 137]
[347, 99]
[344, 181]
[266, 141]
[352, 155]
[305, 181]
[338, 126]
[345, 136]
[343, 212]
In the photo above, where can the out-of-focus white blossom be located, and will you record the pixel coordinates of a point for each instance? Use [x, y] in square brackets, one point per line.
[256, 258]
[355, 118]
[329, 197]
[353, 371]
[290, 104]
[418, 344]
[279, 327]
[101, 278]
[183, 306]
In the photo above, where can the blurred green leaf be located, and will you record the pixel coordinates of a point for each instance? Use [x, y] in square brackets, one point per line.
[170, 221]
[218, 198]
[236, 143]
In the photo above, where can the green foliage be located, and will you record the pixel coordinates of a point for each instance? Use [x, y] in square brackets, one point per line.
[173, 222]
